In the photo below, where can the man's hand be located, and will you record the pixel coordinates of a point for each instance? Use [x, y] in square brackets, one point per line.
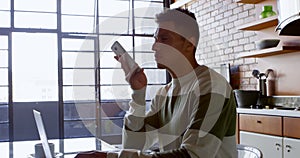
[138, 79]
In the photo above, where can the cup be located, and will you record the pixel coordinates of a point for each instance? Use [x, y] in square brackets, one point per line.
[39, 150]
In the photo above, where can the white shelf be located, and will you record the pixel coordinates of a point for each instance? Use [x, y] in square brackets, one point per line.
[249, 1]
[260, 24]
[270, 51]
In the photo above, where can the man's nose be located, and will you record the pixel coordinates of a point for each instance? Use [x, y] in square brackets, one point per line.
[155, 46]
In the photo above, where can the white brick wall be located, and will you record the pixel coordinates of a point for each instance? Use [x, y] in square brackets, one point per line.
[220, 41]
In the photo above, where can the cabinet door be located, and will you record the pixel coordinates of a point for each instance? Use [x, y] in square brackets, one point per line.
[291, 127]
[271, 146]
[291, 147]
[271, 125]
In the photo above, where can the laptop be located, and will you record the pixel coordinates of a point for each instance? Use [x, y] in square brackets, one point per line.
[42, 133]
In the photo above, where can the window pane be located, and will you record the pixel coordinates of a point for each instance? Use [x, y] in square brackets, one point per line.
[3, 58]
[3, 42]
[147, 9]
[145, 59]
[112, 76]
[144, 43]
[73, 115]
[34, 67]
[79, 128]
[115, 92]
[151, 91]
[35, 5]
[4, 94]
[78, 7]
[77, 24]
[155, 76]
[78, 59]
[107, 60]
[78, 77]
[4, 137]
[77, 44]
[145, 26]
[35, 20]
[5, 5]
[5, 19]
[112, 25]
[79, 93]
[4, 77]
[3, 115]
[107, 41]
[79, 111]
[111, 126]
[120, 8]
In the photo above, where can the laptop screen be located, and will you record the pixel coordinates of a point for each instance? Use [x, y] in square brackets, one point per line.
[42, 133]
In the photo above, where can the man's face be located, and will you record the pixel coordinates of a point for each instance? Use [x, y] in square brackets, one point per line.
[168, 46]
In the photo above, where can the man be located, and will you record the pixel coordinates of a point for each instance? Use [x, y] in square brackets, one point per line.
[193, 115]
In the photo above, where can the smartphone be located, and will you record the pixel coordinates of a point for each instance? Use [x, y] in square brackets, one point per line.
[128, 64]
[117, 48]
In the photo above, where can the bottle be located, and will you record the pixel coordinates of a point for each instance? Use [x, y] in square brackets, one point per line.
[267, 12]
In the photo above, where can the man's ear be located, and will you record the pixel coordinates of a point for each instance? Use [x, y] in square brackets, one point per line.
[193, 41]
[190, 44]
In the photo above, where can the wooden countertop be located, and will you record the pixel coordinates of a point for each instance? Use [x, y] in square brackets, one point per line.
[273, 112]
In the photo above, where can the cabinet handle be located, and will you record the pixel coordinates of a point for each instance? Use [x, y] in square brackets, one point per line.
[288, 148]
[278, 146]
[258, 121]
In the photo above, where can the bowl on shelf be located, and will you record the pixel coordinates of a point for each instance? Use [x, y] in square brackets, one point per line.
[266, 43]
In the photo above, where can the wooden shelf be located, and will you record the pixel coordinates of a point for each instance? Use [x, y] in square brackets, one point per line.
[270, 51]
[249, 1]
[179, 3]
[260, 24]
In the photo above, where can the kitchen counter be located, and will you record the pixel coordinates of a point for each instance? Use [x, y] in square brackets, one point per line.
[273, 112]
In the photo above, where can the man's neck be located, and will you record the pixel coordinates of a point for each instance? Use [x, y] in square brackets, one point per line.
[183, 70]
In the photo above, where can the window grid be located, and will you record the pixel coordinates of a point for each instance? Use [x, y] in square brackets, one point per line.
[68, 105]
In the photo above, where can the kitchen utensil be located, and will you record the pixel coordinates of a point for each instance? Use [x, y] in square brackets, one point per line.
[262, 82]
[266, 43]
[255, 73]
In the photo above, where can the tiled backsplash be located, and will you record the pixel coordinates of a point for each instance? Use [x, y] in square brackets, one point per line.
[285, 101]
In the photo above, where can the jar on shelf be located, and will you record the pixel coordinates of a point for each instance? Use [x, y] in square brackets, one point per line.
[267, 12]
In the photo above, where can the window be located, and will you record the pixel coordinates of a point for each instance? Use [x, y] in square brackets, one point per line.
[4, 86]
[34, 67]
[55, 56]
[5, 13]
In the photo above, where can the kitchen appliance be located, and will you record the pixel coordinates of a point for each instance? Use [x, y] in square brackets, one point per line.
[265, 85]
[289, 17]
[246, 98]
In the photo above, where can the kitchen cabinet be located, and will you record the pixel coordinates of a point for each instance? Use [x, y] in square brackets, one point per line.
[275, 136]
[259, 25]
[291, 147]
[291, 127]
[271, 146]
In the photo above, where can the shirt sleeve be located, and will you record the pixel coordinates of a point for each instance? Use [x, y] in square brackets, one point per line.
[139, 125]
